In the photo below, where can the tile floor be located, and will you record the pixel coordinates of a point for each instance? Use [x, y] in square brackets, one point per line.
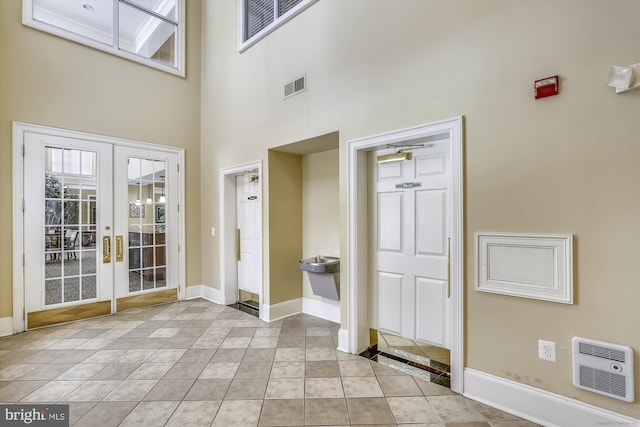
[195, 363]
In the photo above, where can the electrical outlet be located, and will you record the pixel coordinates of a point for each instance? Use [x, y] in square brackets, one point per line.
[547, 350]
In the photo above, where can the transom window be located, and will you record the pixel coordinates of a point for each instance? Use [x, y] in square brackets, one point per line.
[260, 17]
[147, 31]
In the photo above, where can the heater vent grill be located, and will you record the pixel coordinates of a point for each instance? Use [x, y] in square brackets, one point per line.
[603, 368]
[295, 87]
[602, 381]
[602, 352]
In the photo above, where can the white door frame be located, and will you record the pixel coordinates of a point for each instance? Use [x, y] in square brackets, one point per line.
[19, 129]
[357, 335]
[227, 227]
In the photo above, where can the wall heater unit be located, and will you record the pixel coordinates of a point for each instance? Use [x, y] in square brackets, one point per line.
[603, 368]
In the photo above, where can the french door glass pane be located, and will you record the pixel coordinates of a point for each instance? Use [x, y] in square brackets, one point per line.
[70, 225]
[84, 19]
[147, 216]
[145, 35]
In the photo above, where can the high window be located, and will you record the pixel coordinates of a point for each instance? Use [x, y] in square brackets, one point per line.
[147, 31]
[260, 17]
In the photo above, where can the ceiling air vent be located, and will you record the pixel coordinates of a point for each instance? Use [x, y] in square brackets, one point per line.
[603, 368]
[295, 87]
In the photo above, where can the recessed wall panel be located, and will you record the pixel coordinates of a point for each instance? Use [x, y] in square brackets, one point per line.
[390, 221]
[431, 165]
[430, 222]
[390, 302]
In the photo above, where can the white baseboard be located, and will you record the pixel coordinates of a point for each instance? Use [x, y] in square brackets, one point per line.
[6, 326]
[321, 309]
[269, 313]
[206, 292]
[343, 340]
[537, 405]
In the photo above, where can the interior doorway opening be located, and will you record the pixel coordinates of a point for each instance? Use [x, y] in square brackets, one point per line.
[241, 272]
[363, 318]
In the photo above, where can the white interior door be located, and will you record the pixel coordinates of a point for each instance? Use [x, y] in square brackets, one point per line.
[146, 226]
[249, 224]
[101, 222]
[412, 219]
[68, 217]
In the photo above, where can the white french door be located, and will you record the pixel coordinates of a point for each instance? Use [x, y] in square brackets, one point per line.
[412, 224]
[100, 224]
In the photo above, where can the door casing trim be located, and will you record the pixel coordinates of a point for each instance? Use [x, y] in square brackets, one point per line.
[228, 266]
[358, 321]
[18, 131]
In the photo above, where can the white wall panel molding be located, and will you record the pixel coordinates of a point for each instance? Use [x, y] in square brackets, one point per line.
[537, 266]
[6, 326]
[537, 405]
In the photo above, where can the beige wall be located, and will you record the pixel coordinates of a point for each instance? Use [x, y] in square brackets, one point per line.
[285, 222]
[320, 211]
[50, 81]
[567, 164]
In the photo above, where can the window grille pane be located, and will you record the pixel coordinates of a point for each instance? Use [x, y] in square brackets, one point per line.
[285, 5]
[260, 13]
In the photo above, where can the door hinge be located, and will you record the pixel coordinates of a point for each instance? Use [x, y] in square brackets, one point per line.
[22, 205]
[24, 313]
[178, 167]
[178, 208]
[23, 150]
[178, 248]
[24, 260]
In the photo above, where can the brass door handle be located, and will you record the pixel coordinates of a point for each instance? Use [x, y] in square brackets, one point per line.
[119, 249]
[238, 252]
[106, 249]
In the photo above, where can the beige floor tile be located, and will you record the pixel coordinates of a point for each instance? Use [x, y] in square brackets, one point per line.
[285, 388]
[52, 391]
[246, 389]
[319, 342]
[267, 332]
[282, 412]
[167, 355]
[355, 368]
[105, 356]
[150, 414]
[78, 409]
[290, 342]
[150, 371]
[13, 372]
[251, 369]
[325, 412]
[264, 342]
[288, 369]
[165, 390]
[164, 333]
[194, 414]
[16, 390]
[117, 371]
[399, 386]
[454, 409]
[508, 423]
[411, 410]
[82, 371]
[290, 355]
[106, 414]
[228, 355]
[236, 342]
[323, 388]
[92, 391]
[431, 389]
[208, 341]
[492, 413]
[137, 355]
[219, 370]
[369, 410]
[214, 389]
[238, 413]
[130, 390]
[326, 368]
[185, 370]
[319, 354]
[259, 355]
[196, 355]
[361, 387]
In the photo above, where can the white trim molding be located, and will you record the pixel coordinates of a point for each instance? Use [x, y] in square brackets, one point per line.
[321, 309]
[357, 240]
[538, 266]
[270, 313]
[537, 405]
[206, 292]
[6, 326]
[343, 340]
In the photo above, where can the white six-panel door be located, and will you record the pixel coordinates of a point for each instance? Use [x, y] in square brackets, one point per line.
[249, 222]
[411, 219]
